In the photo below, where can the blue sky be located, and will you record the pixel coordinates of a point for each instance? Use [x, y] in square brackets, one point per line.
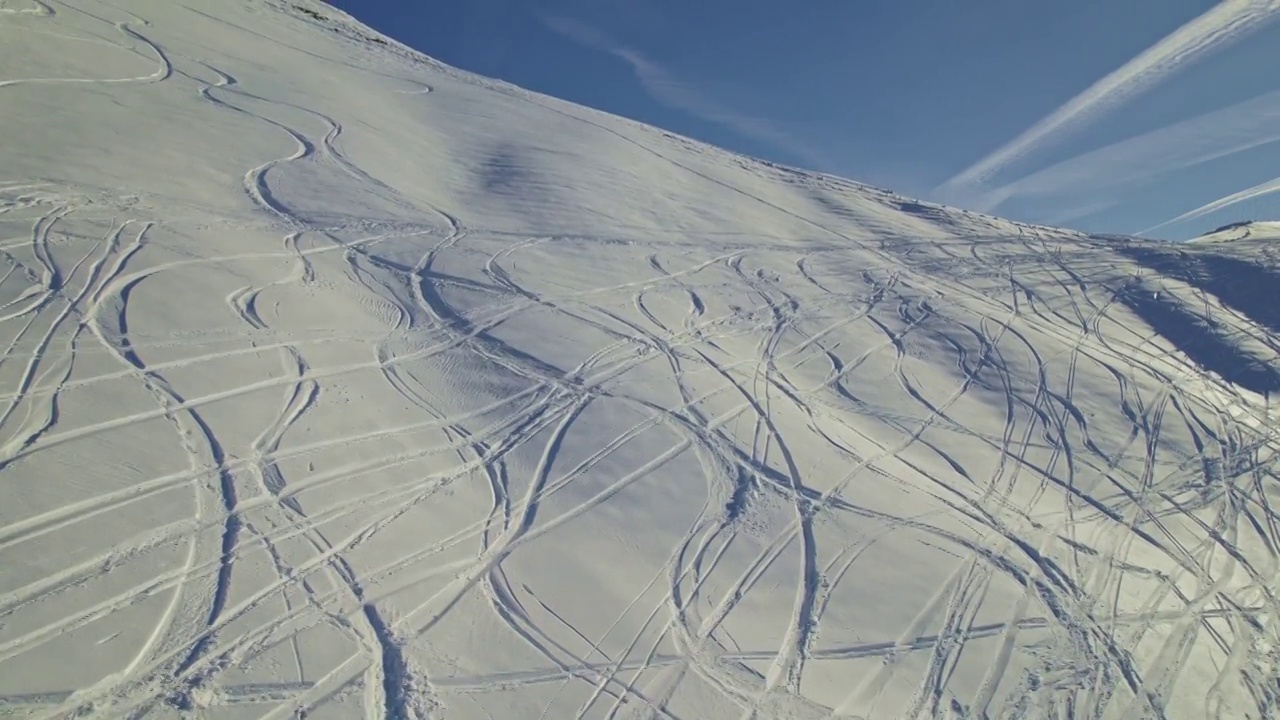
[1108, 116]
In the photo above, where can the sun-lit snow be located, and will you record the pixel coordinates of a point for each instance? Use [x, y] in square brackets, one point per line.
[1254, 230]
[338, 383]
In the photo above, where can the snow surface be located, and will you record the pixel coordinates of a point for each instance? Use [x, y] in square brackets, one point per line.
[1251, 230]
[339, 383]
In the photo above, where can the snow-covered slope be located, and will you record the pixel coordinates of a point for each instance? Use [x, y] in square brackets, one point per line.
[338, 383]
[1251, 230]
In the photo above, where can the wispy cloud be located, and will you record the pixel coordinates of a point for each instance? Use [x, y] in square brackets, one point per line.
[1266, 188]
[1132, 161]
[1226, 23]
[667, 89]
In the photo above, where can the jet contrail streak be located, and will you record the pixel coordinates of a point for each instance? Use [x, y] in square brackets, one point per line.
[1258, 190]
[1225, 23]
[1135, 160]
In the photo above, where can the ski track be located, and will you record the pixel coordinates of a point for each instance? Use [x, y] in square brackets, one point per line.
[778, 424]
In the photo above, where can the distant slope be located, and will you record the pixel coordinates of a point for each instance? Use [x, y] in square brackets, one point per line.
[1249, 230]
[336, 382]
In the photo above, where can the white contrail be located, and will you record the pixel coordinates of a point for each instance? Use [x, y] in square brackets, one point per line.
[665, 88]
[1258, 190]
[1227, 22]
[1129, 162]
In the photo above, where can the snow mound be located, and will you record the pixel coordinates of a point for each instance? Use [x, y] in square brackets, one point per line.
[1248, 230]
[336, 382]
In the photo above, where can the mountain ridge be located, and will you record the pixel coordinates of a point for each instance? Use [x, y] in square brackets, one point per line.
[323, 12]
[1245, 230]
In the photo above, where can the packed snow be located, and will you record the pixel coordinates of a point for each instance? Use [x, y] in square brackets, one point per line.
[339, 383]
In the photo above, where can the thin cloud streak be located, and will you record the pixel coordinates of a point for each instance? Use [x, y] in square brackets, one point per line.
[1266, 188]
[1226, 23]
[1129, 162]
[667, 89]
